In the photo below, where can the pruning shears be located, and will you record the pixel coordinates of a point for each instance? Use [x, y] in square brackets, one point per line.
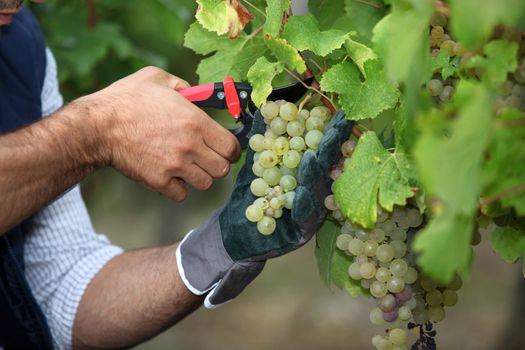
[236, 97]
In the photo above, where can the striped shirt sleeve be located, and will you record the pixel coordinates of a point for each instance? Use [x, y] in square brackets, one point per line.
[62, 251]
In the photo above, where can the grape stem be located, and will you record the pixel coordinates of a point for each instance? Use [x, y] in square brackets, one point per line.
[254, 7]
[503, 194]
[313, 87]
[305, 99]
[254, 33]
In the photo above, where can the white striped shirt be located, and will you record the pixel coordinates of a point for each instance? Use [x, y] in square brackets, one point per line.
[62, 252]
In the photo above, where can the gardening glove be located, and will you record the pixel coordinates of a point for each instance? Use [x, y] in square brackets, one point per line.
[225, 254]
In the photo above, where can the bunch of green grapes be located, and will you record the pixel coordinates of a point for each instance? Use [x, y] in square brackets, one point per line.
[278, 153]
[513, 89]
[385, 266]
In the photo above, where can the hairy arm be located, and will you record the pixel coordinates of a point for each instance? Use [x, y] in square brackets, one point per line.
[135, 296]
[139, 125]
[42, 160]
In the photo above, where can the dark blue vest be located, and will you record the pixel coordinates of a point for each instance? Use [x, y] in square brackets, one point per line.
[22, 71]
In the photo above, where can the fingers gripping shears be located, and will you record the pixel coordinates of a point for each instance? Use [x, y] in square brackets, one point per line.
[236, 97]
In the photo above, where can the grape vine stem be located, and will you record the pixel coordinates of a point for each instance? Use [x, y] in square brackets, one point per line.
[307, 86]
[503, 194]
[254, 7]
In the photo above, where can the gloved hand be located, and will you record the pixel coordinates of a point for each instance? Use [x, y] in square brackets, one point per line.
[226, 253]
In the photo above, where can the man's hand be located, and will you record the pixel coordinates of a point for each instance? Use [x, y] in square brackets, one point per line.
[140, 125]
[155, 136]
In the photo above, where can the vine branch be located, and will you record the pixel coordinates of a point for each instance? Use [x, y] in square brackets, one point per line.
[92, 14]
[503, 194]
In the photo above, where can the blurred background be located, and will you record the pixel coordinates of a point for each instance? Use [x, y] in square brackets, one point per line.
[287, 307]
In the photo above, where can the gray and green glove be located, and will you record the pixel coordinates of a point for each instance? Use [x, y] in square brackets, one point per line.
[225, 254]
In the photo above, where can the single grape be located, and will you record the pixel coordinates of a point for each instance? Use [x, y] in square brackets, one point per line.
[329, 202]
[277, 213]
[258, 169]
[258, 187]
[356, 246]
[427, 284]
[313, 138]
[377, 235]
[404, 313]
[387, 303]
[434, 298]
[280, 146]
[400, 248]
[447, 93]
[435, 87]
[376, 339]
[384, 344]
[420, 316]
[268, 143]
[354, 271]
[398, 336]
[295, 128]
[367, 270]
[297, 143]
[266, 225]
[291, 159]
[385, 253]
[365, 283]
[519, 75]
[390, 316]
[270, 110]
[276, 203]
[347, 148]
[272, 176]
[449, 46]
[288, 183]
[450, 297]
[278, 125]
[269, 212]
[320, 112]
[362, 235]
[370, 248]
[268, 159]
[256, 142]
[411, 303]
[404, 295]
[254, 213]
[438, 19]
[289, 197]
[314, 123]
[288, 111]
[303, 115]
[388, 226]
[398, 267]
[395, 285]
[436, 313]
[398, 234]
[411, 275]
[342, 241]
[383, 274]
[280, 102]
[376, 316]
[262, 203]
[270, 134]
[403, 223]
[378, 289]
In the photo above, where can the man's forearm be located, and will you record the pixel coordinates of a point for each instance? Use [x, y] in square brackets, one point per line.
[41, 161]
[134, 297]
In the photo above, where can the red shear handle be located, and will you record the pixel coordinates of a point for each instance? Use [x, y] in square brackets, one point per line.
[198, 93]
[232, 97]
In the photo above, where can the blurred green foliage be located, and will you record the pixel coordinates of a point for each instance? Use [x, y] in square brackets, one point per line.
[99, 41]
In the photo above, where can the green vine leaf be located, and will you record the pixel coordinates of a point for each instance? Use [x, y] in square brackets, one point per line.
[471, 29]
[509, 244]
[274, 16]
[204, 42]
[326, 11]
[501, 58]
[373, 176]
[360, 99]
[285, 53]
[260, 76]
[361, 17]
[445, 65]
[359, 53]
[223, 17]
[302, 32]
